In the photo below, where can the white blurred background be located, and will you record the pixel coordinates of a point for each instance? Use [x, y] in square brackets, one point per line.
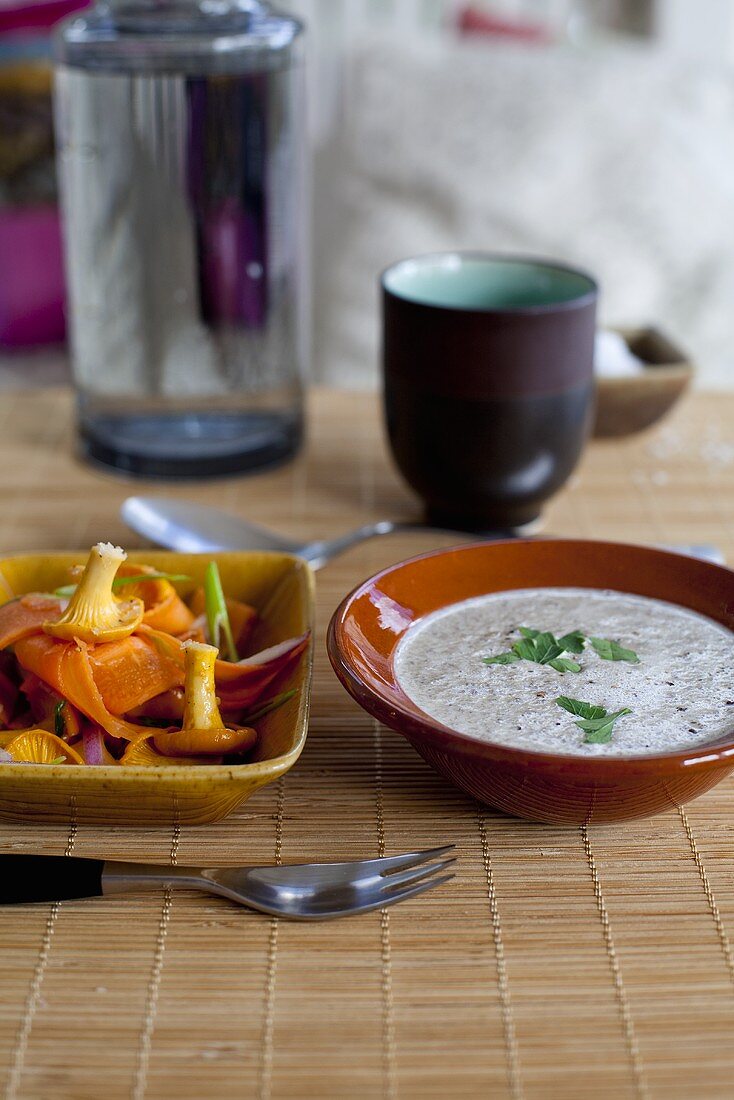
[599, 132]
[596, 131]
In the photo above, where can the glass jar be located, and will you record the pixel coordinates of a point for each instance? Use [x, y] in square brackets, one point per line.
[181, 148]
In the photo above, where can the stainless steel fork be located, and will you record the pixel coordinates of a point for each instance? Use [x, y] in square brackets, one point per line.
[306, 891]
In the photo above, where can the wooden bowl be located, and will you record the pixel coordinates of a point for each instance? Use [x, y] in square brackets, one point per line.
[628, 405]
[281, 588]
[569, 789]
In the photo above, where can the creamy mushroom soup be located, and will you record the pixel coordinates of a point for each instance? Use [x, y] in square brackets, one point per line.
[572, 670]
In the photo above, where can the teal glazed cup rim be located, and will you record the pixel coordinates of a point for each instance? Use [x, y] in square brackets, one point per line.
[489, 283]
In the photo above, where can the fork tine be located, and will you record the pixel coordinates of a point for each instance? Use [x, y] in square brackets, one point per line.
[414, 874]
[413, 891]
[385, 864]
[412, 859]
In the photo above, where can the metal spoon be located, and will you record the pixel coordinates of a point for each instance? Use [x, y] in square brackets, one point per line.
[195, 528]
[198, 529]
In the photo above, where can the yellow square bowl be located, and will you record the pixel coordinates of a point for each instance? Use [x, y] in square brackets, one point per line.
[281, 588]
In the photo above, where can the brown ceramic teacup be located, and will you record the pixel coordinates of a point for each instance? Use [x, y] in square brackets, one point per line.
[488, 364]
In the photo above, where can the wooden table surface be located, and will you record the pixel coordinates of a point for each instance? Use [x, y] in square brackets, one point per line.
[555, 965]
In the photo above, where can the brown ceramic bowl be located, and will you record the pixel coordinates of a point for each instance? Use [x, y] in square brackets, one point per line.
[368, 625]
[628, 405]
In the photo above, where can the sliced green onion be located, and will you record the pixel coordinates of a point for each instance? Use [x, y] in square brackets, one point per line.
[217, 616]
[269, 706]
[65, 592]
[168, 648]
[59, 723]
[68, 590]
[120, 582]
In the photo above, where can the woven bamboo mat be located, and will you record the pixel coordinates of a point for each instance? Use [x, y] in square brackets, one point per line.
[560, 963]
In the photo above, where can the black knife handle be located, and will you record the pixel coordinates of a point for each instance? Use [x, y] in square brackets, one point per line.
[48, 878]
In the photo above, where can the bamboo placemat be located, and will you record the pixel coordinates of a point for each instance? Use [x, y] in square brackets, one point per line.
[560, 963]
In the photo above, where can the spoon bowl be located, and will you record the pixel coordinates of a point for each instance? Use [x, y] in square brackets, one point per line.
[198, 529]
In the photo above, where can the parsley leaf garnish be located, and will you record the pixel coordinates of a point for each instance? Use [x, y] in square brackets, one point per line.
[527, 649]
[542, 648]
[573, 642]
[502, 659]
[537, 645]
[599, 730]
[579, 708]
[564, 664]
[595, 721]
[610, 650]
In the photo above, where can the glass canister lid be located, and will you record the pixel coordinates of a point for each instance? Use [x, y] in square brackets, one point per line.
[178, 35]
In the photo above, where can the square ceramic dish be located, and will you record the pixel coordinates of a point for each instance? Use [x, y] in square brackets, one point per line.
[280, 586]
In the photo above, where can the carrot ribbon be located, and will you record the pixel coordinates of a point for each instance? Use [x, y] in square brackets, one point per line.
[66, 667]
[110, 679]
[20, 618]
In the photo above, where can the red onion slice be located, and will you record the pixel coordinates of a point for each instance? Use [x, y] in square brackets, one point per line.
[273, 653]
[93, 746]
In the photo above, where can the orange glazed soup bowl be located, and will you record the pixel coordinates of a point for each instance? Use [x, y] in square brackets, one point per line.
[568, 789]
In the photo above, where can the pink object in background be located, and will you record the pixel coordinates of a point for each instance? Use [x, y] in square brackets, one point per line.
[40, 15]
[473, 19]
[31, 277]
[31, 268]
